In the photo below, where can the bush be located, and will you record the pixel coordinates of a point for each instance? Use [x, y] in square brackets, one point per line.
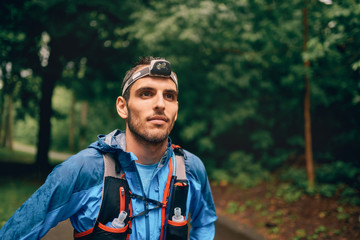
[241, 170]
[296, 176]
[232, 207]
[337, 172]
[26, 130]
[289, 192]
[327, 190]
[350, 195]
[331, 179]
[220, 175]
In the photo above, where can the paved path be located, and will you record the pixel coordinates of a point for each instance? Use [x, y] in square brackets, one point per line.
[225, 229]
[31, 149]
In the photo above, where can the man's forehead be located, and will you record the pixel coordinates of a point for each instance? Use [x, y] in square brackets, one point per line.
[155, 83]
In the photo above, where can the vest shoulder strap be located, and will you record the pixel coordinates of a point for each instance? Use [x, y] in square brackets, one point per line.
[180, 162]
[180, 167]
[112, 167]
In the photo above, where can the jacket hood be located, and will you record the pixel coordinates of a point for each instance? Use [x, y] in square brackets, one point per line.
[114, 142]
[110, 143]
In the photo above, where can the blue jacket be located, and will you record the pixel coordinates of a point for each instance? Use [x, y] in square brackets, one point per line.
[73, 190]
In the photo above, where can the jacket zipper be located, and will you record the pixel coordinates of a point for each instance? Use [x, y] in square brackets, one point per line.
[147, 223]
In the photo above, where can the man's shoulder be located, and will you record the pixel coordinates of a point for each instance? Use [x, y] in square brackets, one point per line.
[86, 162]
[192, 160]
[194, 166]
[87, 157]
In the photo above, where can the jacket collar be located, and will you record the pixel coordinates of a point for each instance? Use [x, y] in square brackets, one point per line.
[114, 142]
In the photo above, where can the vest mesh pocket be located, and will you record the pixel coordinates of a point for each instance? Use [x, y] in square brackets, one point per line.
[116, 195]
[177, 232]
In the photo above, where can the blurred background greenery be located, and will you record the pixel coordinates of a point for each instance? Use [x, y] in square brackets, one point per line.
[241, 68]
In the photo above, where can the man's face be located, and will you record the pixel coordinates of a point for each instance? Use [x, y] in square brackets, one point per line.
[152, 109]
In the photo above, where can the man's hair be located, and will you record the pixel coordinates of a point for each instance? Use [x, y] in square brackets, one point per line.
[136, 66]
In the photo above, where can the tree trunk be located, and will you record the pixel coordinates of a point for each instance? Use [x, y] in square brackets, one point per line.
[84, 112]
[9, 124]
[2, 107]
[72, 123]
[49, 76]
[307, 115]
[2, 120]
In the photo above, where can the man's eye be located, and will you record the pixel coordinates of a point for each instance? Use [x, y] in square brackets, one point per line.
[170, 96]
[145, 94]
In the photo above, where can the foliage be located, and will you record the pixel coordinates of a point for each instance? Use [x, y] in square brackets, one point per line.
[25, 130]
[330, 181]
[46, 37]
[341, 214]
[350, 196]
[288, 192]
[338, 172]
[247, 79]
[241, 170]
[300, 233]
[240, 68]
[103, 117]
[232, 207]
[319, 233]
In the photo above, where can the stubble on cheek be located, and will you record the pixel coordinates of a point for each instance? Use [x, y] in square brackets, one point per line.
[142, 132]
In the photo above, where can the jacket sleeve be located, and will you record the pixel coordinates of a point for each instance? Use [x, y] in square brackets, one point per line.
[56, 200]
[204, 232]
[202, 207]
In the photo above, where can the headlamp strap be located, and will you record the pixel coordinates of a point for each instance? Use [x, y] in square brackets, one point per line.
[157, 68]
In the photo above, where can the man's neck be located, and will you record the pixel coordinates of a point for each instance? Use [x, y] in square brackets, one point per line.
[147, 153]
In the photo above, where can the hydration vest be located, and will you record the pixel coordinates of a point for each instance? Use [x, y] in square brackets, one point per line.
[116, 197]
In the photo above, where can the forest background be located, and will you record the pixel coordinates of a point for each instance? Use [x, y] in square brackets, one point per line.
[248, 71]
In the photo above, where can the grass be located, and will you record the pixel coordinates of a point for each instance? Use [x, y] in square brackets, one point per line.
[7, 155]
[13, 192]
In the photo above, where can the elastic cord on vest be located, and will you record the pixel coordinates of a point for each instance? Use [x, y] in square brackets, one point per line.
[146, 200]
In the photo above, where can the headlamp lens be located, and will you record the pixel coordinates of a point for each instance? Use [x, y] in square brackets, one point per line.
[160, 68]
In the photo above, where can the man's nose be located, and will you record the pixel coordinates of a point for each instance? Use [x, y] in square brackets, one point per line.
[159, 102]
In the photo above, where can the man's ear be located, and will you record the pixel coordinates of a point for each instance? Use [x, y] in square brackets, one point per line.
[121, 107]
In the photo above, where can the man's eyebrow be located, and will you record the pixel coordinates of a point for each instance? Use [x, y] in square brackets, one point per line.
[172, 91]
[144, 89]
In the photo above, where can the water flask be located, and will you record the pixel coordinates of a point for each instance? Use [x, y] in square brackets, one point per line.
[177, 217]
[119, 221]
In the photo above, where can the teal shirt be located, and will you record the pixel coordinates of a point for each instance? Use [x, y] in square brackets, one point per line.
[146, 173]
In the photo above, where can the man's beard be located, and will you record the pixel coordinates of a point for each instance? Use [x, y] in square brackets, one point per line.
[145, 136]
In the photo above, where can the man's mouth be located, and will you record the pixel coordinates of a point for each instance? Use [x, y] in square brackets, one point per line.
[158, 119]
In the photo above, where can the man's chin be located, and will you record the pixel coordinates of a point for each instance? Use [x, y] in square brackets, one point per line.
[153, 138]
[157, 138]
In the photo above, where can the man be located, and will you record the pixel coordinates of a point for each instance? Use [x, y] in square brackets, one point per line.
[127, 185]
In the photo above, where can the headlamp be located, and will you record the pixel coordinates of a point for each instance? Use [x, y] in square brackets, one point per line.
[157, 68]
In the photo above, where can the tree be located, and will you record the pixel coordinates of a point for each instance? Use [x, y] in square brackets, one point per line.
[65, 31]
[307, 115]
[230, 64]
[14, 42]
[83, 33]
